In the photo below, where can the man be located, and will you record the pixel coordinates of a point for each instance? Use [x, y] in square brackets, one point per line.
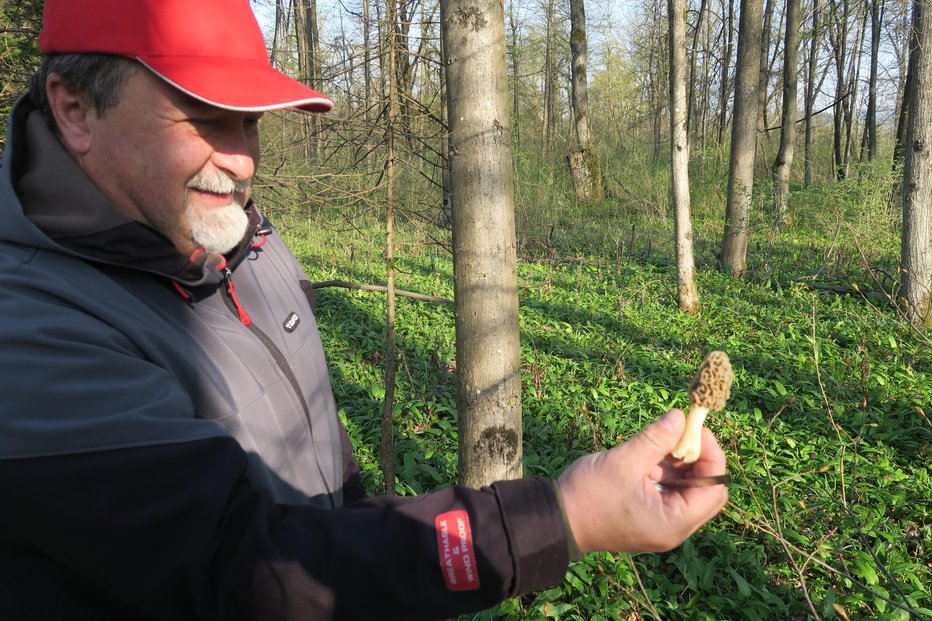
[169, 444]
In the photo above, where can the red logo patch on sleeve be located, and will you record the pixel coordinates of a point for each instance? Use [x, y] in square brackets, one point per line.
[457, 559]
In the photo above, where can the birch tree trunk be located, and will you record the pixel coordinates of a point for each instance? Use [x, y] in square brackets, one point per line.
[784, 161]
[916, 274]
[733, 256]
[583, 161]
[687, 295]
[484, 248]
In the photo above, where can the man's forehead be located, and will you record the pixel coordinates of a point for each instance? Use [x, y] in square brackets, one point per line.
[187, 102]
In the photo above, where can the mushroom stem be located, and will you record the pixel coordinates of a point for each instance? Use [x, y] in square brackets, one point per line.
[690, 444]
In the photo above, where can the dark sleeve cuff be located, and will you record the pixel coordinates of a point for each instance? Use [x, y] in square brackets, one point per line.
[537, 533]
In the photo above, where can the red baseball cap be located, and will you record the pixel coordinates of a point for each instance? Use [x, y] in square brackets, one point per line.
[213, 50]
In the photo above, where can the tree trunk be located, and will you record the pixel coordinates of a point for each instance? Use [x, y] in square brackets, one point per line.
[916, 274]
[366, 64]
[854, 81]
[727, 30]
[902, 124]
[484, 246]
[584, 161]
[687, 295]
[810, 89]
[839, 39]
[764, 76]
[309, 63]
[515, 66]
[691, 104]
[387, 453]
[784, 161]
[546, 130]
[733, 255]
[869, 144]
[446, 216]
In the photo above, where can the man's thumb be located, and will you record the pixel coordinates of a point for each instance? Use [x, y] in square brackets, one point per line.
[661, 436]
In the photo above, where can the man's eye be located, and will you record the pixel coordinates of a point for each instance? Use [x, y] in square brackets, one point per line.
[202, 122]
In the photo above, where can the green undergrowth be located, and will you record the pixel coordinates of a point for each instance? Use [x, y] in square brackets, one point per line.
[828, 430]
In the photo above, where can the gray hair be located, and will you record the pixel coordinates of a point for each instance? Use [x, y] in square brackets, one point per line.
[99, 77]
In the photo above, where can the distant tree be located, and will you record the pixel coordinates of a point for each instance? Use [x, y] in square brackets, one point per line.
[916, 269]
[488, 363]
[308, 43]
[869, 142]
[548, 124]
[693, 54]
[902, 125]
[584, 160]
[727, 36]
[764, 75]
[733, 256]
[814, 41]
[784, 161]
[687, 295]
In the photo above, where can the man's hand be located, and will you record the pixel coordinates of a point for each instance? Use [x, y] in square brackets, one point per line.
[612, 500]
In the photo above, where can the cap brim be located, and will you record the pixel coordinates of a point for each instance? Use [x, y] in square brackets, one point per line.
[243, 85]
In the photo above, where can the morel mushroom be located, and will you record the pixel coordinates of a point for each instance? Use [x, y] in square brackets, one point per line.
[708, 393]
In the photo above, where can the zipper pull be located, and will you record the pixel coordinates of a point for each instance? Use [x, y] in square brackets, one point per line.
[243, 317]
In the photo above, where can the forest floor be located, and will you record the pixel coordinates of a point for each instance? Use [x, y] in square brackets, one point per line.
[828, 431]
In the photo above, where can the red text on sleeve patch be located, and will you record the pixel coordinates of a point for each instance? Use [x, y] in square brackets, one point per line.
[457, 559]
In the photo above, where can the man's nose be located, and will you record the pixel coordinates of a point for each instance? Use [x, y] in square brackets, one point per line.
[236, 153]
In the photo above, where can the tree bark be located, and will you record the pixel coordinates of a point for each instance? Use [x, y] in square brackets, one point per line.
[733, 256]
[387, 452]
[784, 161]
[916, 274]
[484, 246]
[687, 295]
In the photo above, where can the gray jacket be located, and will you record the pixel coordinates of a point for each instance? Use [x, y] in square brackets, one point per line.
[169, 445]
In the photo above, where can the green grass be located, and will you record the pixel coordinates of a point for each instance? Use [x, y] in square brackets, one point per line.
[828, 431]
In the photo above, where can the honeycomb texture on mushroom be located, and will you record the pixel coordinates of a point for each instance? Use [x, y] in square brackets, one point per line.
[712, 385]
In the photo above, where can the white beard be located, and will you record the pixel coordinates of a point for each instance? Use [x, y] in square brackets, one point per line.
[218, 229]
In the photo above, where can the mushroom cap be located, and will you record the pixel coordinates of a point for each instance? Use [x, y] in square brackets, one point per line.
[712, 385]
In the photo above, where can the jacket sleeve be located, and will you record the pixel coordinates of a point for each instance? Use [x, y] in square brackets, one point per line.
[177, 531]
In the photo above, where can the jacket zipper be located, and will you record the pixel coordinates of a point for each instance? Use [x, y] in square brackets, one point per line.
[233, 303]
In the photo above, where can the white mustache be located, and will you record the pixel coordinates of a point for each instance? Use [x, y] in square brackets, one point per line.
[218, 183]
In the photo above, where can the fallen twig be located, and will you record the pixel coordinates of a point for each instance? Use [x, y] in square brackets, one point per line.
[408, 294]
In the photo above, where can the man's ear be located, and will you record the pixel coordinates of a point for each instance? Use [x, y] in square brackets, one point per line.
[71, 111]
